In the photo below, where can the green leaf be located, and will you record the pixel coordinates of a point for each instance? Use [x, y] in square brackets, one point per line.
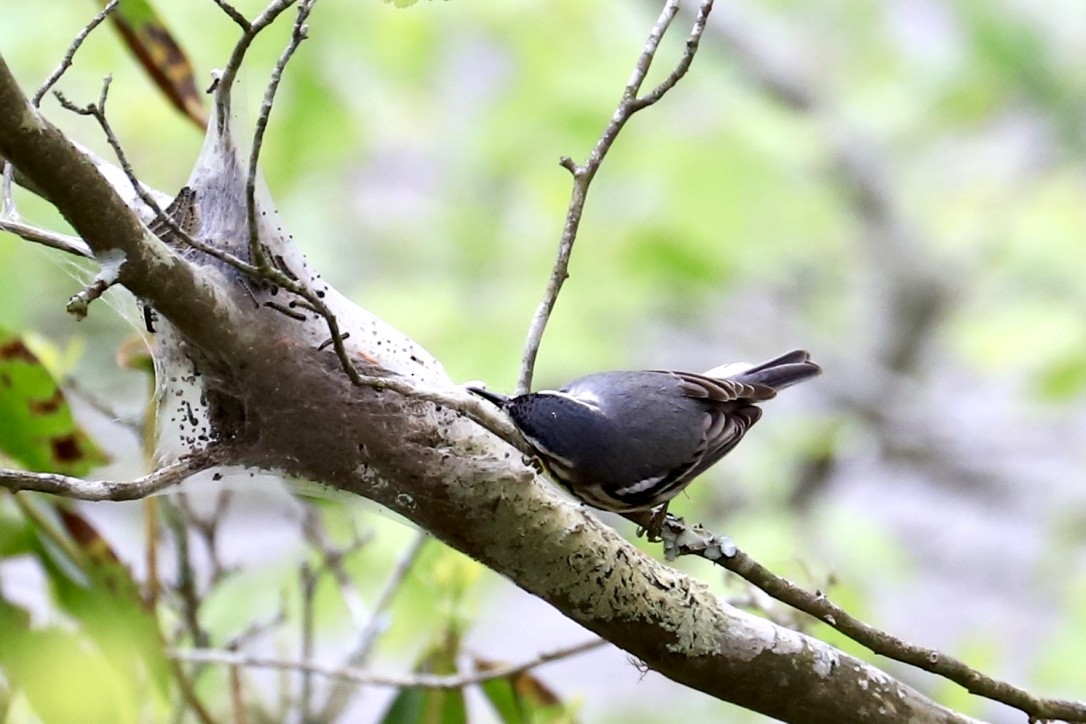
[16, 537]
[94, 587]
[524, 697]
[37, 429]
[61, 678]
[432, 706]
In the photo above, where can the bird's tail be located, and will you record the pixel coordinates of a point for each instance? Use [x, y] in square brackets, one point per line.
[778, 373]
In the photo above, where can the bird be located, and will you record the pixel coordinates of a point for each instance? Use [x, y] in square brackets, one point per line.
[627, 441]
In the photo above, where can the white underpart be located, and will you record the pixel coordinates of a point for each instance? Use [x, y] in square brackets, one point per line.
[640, 486]
[731, 369]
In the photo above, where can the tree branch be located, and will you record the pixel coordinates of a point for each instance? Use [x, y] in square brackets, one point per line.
[61, 242]
[97, 490]
[683, 540]
[94, 209]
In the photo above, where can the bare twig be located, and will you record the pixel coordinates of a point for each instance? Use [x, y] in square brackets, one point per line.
[208, 528]
[368, 637]
[630, 104]
[66, 61]
[257, 258]
[234, 15]
[80, 489]
[298, 34]
[261, 270]
[259, 266]
[361, 676]
[189, 695]
[333, 559]
[237, 696]
[256, 629]
[469, 406]
[186, 576]
[680, 540]
[309, 591]
[339, 693]
[98, 112]
[250, 30]
[62, 242]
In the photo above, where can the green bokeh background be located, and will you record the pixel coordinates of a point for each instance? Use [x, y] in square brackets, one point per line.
[413, 154]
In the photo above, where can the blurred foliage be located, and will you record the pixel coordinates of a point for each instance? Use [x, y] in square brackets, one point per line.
[414, 155]
[150, 41]
[37, 430]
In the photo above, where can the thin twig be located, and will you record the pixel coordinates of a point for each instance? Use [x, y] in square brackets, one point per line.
[309, 591]
[258, 266]
[368, 636]
[190, 606]
[234, 15]
[98, 112]
[298, 34]
[630, 104]
[333, 560]
[471, 407]
[189, 695]
[339, 693]
[682, 540]
[237, 696]
[66, 61]
[266, 272]
[250, 30]
[361, 676]
[256, 629]
[257, 257]
[208, 528]
[94, 490]
[186, 576]
[62, 242]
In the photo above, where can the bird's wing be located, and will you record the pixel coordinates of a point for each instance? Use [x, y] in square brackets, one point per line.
[715, 389]
[730, 412]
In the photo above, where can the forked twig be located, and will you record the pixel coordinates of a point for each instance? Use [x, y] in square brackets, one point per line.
[69, 55]
[630, 104]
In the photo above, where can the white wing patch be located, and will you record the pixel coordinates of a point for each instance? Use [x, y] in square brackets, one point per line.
[730, 369]
[640, 486]
[583, 397]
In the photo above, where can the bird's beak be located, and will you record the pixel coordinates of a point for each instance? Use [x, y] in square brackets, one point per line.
[494, 397]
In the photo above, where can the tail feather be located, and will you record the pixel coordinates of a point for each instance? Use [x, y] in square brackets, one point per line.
[780, 372]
